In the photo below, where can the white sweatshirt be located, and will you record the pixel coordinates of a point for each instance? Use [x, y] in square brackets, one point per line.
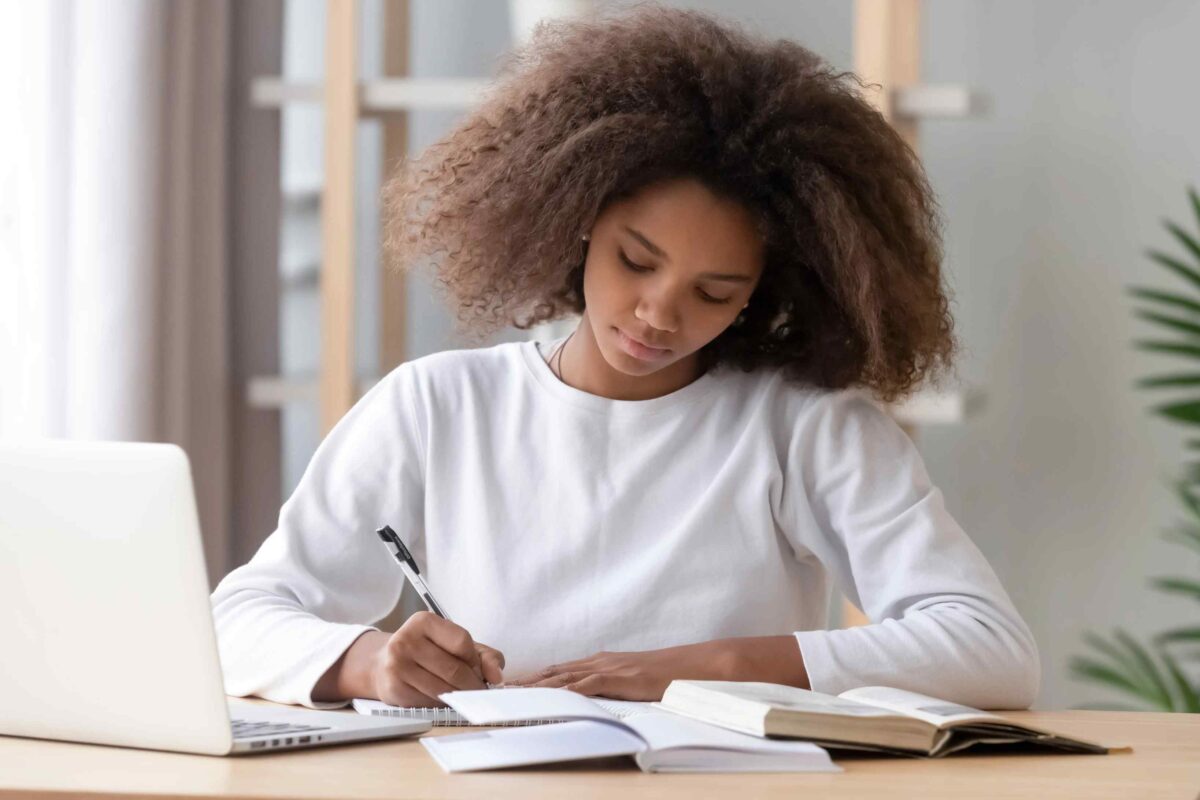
[553, 524]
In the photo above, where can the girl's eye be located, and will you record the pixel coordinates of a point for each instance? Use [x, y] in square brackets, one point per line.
[639, 268]
[630, 264]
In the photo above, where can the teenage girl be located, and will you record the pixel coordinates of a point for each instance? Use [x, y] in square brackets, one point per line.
[665, 492]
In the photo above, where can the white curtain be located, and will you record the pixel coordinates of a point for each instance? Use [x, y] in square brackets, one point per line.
[113, 307]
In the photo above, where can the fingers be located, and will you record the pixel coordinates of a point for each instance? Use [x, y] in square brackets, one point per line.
[583, 666]
[454, 639]
[559, 681]
[451, 669]
[419, 687]
[492, 661]
[428, 656]
[593, 684]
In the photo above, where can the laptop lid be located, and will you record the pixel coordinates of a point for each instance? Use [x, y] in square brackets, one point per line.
[107, 629]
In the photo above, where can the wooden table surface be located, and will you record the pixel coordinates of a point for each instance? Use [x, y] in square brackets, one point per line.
[1165, 763]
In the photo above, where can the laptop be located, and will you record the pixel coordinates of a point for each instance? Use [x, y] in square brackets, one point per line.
[107, 628]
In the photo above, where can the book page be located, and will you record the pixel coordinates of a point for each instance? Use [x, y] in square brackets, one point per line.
[623, 709]
[937, 712]
[493, 706]
[790, 698]
[663, 731]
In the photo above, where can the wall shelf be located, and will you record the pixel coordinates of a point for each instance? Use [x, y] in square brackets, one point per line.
[382, 96]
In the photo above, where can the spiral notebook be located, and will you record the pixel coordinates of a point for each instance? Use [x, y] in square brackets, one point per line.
[448, 717]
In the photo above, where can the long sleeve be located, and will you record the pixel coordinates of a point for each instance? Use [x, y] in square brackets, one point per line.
[323, 576]
[857, 495]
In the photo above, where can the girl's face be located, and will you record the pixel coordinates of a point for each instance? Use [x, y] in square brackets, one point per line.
[667, 271]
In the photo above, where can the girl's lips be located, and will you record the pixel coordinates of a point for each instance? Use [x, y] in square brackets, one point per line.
[639, 350]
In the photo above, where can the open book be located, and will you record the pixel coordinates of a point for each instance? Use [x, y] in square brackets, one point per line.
[658, 741]
[876, 718]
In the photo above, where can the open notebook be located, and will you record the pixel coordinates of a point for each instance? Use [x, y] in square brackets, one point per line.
[658, 741]
[449, 717]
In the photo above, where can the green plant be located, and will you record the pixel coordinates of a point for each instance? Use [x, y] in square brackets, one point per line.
[1153, 674]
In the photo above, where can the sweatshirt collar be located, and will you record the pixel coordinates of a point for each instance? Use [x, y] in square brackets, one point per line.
[547, 381]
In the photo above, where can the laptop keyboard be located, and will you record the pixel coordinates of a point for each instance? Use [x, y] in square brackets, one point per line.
[248, 729]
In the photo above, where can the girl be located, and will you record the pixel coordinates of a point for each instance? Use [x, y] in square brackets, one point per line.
[662, 493]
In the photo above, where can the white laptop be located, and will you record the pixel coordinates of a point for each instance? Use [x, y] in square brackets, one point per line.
[106, 627]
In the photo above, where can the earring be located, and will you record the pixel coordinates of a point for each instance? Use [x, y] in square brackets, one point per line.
[587, 237]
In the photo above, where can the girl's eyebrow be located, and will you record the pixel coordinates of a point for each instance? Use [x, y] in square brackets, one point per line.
[659, 252]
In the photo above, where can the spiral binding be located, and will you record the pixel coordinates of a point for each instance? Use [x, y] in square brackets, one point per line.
[448, 717]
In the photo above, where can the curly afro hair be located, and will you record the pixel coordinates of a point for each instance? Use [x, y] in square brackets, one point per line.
[592, 110]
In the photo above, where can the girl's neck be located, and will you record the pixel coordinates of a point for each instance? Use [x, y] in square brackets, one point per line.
[582, 366]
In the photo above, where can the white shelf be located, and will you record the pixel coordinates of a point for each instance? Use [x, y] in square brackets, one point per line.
[401, 94]
[933, 101]
[376, 96]
[273, 391]
[937, 408]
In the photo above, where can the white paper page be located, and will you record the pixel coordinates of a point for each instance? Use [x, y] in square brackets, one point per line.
[491, 706]
[794, 698]
[623, 709]
[663, 731]
[541, 744]
[922, 706]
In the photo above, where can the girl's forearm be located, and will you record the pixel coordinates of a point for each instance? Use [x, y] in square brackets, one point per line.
[768, 659]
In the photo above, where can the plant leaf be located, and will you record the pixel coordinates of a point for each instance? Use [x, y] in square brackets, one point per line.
[1171, 348]
[1183, 534]
[1190, 379]
[1190, 501]
[1149, 668]
[1125, 664]
[1186, 694]
[1195, 203]
[1156, 296]
[1184, 238]
[1181, 269]
[1094, 671]
[1176, 635]
[1179, 585]
[1173, 323]
[1188, 411]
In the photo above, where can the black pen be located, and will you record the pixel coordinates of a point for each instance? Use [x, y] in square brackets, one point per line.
[408, 565]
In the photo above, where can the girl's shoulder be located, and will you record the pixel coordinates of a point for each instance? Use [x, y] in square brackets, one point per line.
[494, 357]
[480, 368]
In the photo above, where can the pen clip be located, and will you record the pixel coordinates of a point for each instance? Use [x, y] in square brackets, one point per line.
[389, 537]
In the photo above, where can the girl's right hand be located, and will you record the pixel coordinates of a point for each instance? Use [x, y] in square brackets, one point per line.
[429, 655]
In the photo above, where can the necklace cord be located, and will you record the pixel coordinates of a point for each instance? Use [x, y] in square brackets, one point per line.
[558, 352]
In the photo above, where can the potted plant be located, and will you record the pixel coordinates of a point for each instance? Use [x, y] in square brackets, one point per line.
[1153, 674]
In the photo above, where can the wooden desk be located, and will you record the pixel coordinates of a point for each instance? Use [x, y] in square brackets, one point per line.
[1165, 764]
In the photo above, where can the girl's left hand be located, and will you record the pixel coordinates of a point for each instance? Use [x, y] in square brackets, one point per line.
[645, 675]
